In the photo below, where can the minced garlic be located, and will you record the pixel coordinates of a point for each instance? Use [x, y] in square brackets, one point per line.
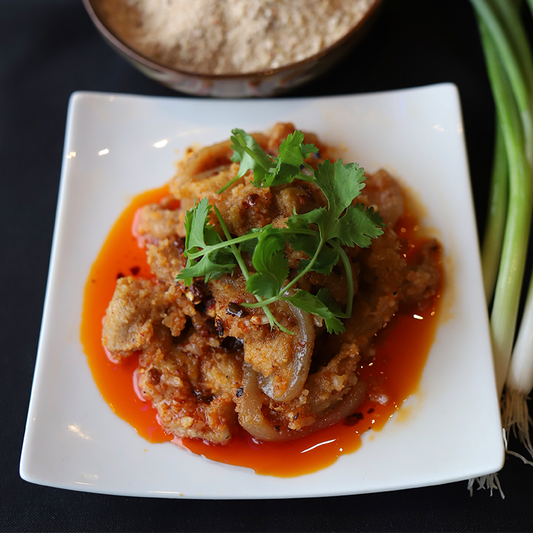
[232, 36]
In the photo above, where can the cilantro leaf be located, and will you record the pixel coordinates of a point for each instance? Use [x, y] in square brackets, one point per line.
[208, 268]
[292, 150]
[282, 174]
[250, 155]
[291, 156]
[325, 297]
[250, 245]
[312, 304]
[196, 220]
[308, 244]
[358, 226]
[340, 184]
[272, 267]
[200, 234]
[318, 216]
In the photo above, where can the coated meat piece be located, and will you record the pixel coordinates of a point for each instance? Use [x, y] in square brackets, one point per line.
[154, 222]
[423, 276]
[129, 321]
[384, 193]
[193, 394]
[165, 258]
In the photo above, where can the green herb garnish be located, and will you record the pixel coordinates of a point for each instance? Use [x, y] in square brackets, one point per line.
[320, 234]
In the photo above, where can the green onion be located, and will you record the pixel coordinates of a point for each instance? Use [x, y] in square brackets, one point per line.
[510, 68]
[491, 249]
[513, 109]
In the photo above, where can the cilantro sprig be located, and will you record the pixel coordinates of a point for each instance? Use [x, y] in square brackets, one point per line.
[269, 171]
[319, 234]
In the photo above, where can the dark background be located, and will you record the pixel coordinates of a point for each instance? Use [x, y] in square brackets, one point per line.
[48, 49]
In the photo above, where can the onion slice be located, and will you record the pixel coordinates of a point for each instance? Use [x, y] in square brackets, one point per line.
[299, 362]
[346, 407]
[252, 419]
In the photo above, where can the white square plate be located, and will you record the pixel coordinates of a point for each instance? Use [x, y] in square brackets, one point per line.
[73, 440]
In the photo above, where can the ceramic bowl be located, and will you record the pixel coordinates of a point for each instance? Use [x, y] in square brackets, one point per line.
[262, 83]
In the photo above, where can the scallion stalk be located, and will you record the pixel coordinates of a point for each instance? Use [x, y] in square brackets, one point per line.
[515, 414]
[510, 68]
[491, 248]
[514, 111]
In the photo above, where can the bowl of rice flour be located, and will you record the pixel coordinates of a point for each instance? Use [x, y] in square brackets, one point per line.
[232, 48]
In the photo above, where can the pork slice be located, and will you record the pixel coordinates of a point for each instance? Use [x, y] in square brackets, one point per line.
[384, 193]
[166, 258]
[193, 392]
[136, 306]
[154, 222]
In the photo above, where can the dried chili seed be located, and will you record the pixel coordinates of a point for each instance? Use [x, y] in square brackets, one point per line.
[310, 194]
[201, 308]
[259, 320]
[209, 325]
[353, 419]
[203, 396]
[155, 376]
[232, 343]
[194, 293]
[196, 290]
[236, 310]
[219, 327]
[179, 244]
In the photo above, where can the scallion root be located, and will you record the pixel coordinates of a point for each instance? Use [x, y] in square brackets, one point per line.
[516, 419]
[488, 482]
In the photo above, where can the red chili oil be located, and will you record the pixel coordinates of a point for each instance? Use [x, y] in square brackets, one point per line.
[402, 350]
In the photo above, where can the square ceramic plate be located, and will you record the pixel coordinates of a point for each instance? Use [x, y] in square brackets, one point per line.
[117, 146]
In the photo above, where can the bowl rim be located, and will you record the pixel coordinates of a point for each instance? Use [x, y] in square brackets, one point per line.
[135, 55]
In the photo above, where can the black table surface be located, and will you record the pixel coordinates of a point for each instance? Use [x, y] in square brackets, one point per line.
[49, 49]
